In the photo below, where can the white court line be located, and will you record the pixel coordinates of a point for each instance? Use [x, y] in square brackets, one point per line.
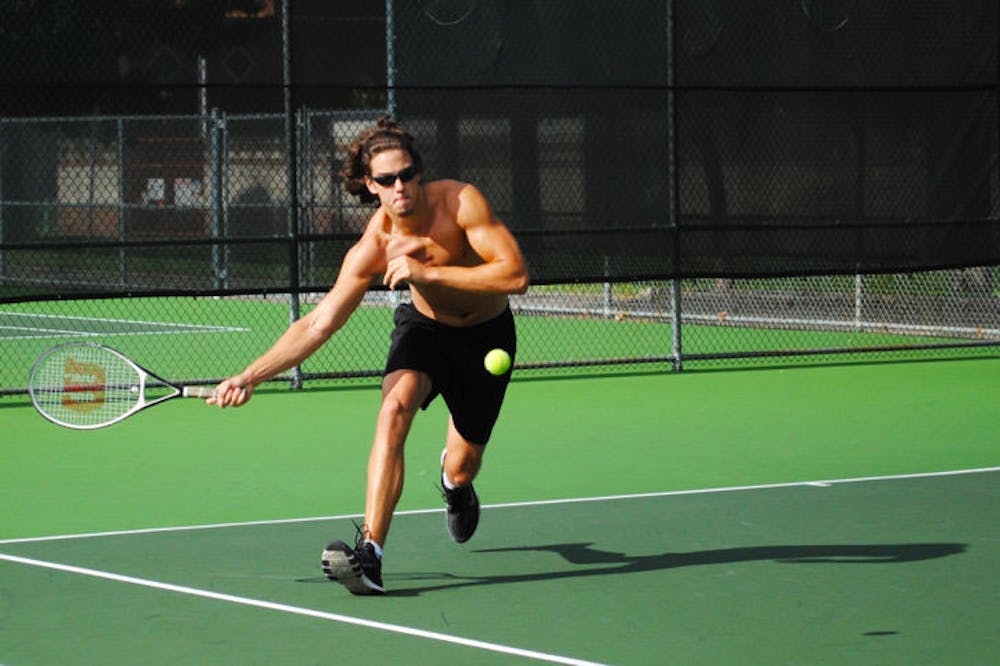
[172, 328]
[121, 321]
[765, 486]
[106, 334]
[573, 500]
[34, 329]
[296, 610]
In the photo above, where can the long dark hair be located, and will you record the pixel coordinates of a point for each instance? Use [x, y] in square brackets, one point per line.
[385, 134]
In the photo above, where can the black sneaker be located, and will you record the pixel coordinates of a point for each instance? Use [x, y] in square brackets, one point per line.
[461, 510]
[358, 569]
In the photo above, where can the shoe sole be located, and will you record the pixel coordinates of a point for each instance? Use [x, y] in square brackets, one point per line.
[341, 565]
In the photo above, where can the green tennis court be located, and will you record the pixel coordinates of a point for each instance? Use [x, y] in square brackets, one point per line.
[835, 514]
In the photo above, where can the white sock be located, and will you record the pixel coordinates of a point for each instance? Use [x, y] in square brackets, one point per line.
[378, 548]
[446, 482]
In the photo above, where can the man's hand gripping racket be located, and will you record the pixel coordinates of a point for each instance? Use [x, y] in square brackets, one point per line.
[86, 385]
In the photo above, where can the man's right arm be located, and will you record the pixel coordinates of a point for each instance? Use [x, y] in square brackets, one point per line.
[361, 264]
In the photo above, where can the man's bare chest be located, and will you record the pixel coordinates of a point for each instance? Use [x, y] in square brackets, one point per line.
[442, 245]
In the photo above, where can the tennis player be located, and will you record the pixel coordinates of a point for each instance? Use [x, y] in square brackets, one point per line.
[442, 240]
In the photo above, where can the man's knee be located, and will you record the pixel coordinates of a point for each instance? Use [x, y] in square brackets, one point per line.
[398, 409]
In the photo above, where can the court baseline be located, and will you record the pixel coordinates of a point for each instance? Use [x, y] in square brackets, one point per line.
[821, 483]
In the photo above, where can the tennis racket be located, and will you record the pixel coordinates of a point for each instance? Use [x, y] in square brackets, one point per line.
[85, 385]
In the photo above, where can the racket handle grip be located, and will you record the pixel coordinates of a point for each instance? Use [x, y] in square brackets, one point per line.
[197, 391]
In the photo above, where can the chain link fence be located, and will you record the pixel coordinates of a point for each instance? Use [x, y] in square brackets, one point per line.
[131, 204]
[174, 191]
[563, 328]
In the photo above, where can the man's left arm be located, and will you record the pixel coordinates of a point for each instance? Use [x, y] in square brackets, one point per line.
[503, 269]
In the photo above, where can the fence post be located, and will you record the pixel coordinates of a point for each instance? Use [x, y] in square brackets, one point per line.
[220, 267]
[291, 174]
[122, 207]
[390, 60]
[307, 197]
[674, 222]
[859, 292]
[608, 296]
[2, 145]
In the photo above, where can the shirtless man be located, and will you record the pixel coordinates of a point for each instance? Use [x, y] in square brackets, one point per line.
[460, 262]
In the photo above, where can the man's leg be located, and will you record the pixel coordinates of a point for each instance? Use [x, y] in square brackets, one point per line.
[460, 463]
[359, 569]
[462, 458]
[403, 391]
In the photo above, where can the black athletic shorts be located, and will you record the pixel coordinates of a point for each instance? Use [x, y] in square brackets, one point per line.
[453, 358]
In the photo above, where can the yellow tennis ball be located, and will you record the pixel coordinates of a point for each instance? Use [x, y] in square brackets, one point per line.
[497, 361]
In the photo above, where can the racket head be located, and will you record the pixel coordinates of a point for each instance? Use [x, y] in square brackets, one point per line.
[86, 385]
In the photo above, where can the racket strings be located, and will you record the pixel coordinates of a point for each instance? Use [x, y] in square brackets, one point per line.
[85, 386]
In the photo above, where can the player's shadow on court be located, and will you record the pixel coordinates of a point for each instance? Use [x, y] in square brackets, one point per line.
[592, 562]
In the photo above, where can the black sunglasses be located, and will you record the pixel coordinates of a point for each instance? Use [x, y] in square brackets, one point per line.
[389, 179]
